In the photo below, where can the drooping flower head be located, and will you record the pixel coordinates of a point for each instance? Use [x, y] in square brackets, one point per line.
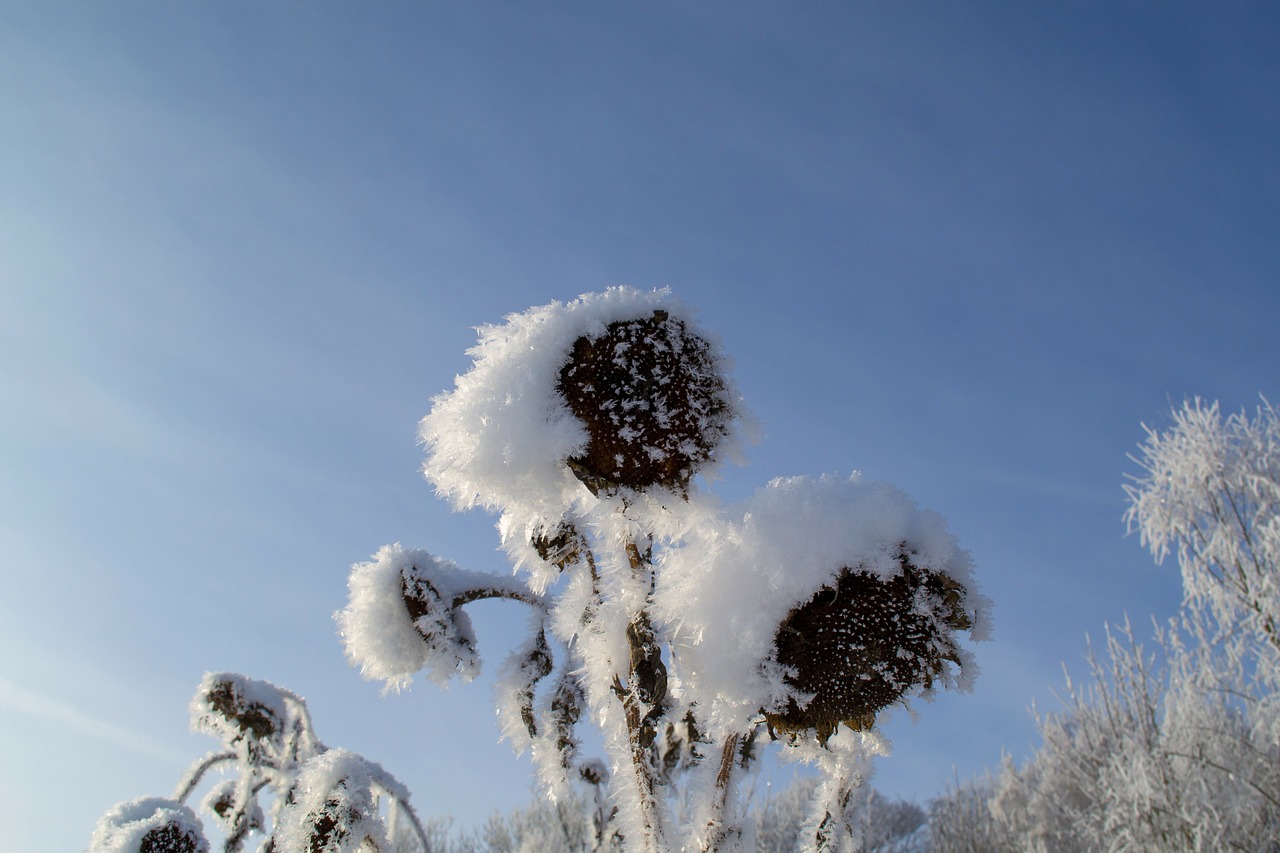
[824, 602]
[862, 642]
[332, 808]
[242, 712]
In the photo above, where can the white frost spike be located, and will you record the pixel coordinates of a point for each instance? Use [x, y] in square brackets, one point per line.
[385, 641]
[521, 672]
[159, 823]
[333, 808]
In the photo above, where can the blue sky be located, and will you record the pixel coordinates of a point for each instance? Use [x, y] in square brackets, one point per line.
[966, 248]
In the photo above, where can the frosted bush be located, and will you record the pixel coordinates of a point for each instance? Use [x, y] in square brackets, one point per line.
[1175, 747]
[1209, 492]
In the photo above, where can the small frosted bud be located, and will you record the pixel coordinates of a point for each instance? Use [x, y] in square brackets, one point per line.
[400, 618]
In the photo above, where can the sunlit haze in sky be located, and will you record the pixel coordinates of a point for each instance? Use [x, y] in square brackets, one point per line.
[965, 248]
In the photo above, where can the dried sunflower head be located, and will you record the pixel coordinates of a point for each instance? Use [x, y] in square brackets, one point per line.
[172, 838]
[859, 645]
[652, 399]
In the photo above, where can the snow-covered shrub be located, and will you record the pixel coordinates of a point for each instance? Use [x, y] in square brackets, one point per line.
[682, 627]
[1176, 748]
[320, 800]
[1147, 756]
[1209, 492]
[960, 821]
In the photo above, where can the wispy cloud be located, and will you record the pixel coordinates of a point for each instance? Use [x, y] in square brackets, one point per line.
[20, 700]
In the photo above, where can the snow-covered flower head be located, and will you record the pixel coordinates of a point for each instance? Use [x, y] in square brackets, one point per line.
[801, 606]
[149, 825]
[401, 618]
[241, 712]
[653, 400]
[863, 641]
[332, 808]
[609, 392]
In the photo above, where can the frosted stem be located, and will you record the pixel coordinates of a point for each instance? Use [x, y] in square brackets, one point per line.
[716, 832]
[482, 593]
[196, 772]
[643, 699]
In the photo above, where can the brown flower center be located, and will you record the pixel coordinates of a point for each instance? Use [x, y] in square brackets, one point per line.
[652, 401]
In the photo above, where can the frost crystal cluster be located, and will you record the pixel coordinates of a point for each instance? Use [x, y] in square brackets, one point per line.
[688, 631]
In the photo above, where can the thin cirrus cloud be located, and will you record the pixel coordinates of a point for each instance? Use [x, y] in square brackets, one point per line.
[19, 700]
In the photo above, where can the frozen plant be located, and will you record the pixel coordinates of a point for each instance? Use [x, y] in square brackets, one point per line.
[1209, 492]
[686, 630]
[320, 800]
[1175, 747]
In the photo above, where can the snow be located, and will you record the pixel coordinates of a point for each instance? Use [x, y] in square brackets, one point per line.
[333, 808]
[724, 593]
[582, 425]
[126, 826]
[501, 438]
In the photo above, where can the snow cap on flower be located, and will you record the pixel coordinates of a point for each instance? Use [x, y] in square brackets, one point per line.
[331, 809]
[736, 591]
[240, 710]
[614, 390]
[149, 825]
[400, 618]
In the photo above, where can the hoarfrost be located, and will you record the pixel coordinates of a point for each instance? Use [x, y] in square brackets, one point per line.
[725, 593]
[332, 808]
[149, 825]
[386, 640]
[503, 437]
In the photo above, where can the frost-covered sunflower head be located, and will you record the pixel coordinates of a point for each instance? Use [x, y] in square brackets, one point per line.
[652, 397]
[242, 712]
[817, 603]
[863, 642]
[568, 403]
